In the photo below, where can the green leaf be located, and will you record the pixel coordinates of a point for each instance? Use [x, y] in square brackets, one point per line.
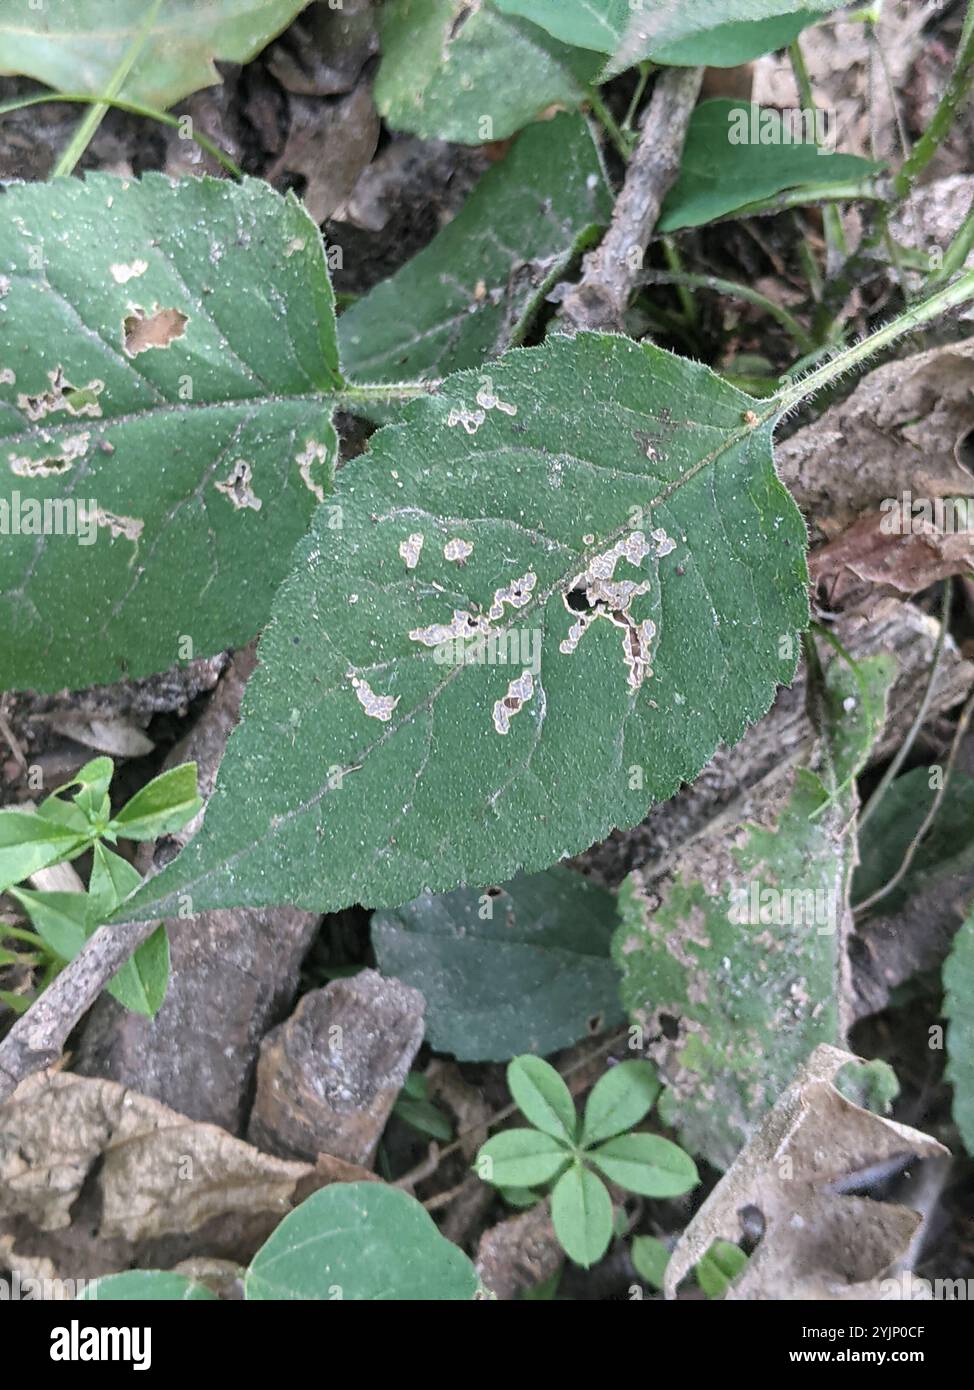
[140, 985]
[543, 1098]
[618, 1100]
[959, 1009]
[113, 879]
[19, 1003]
[146, 1286]
[520, 1158]
[947, 847]
[647, 1164]
[165, 804]
[360, 1240]
[649, 1258]
[718, 1267]
[581, 1213]
[525, 968]
[728, 45]
[29, 842]
[459, 300]
[587, 448]
[870, 1085]
[424, 1116]
[683, 34]
[744, 948]
[737, 153]
[60, 919]
[454, 71]
[173, 496]
[77, 47]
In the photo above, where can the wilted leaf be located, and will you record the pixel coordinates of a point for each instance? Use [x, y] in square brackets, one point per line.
[379, 757]
[360, 1241]
[77, 47]
[169, 368]
[818, 1241]
[959, 1008]
[737, 966]
[533, 976]
[452, 70]
[725, 167]
[483, 276]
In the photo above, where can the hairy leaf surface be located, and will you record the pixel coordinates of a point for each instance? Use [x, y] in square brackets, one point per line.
[593, 512]
[168, 366]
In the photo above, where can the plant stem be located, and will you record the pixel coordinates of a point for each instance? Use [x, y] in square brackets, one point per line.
[134, 108]
[943, 118]
[736, 291]
[957, 252]
[856, 190]
[369, 394]
[610, 124]
[958, 293]
[644, 70]
[836, 246]
[83, 135]
[674, 260]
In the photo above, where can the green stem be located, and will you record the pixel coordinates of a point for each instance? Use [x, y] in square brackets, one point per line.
[735, 291]
[369, 394]
[947, 108]
[860, 190]
[83, 135]
[957, 252]
[836, 246]
[671, 253]
[958, 293]
[607, 119]
[644, 70]
[135, 109]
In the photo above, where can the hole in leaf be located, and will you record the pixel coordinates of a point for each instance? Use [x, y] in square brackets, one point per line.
[577, 601]
[670, 1027]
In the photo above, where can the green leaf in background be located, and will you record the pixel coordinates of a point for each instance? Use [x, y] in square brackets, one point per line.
[871, 1085]
[362, 1241]
[520, 1158]
[581, 1213]
[719, 1267]
[455, 71]
[60, 919]
[30, 842]
[947, 847]
[649, 1258]
[169, 367]
[620, 1098]
[543, 1098]
[165, 804]
[720, 175]
[727, 45]
[647, 1164]
[146, 1286]
[959, 1009]
[742, 952]
[483, 277]
[525, 968]
[77, 46]
[721, 33]
[379, 756]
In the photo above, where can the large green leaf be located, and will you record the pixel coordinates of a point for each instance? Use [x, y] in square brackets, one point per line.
[524, 969]
[76, 45]
[638, 29]
[452, 70]
[727, 45]
[581, 1212]
[725, 167]
[736, 965]
[959, 1009]
[360, 1240]
[368, 768]
[168, 366]
[459, 301]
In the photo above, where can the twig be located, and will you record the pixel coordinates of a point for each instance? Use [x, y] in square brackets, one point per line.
[611, 272]
[37, 1039]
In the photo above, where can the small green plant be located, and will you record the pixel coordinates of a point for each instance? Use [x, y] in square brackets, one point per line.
[560, 1151]
[62, 829]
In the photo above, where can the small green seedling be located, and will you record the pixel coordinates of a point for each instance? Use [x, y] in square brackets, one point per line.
[561, 1152]
[66, 826]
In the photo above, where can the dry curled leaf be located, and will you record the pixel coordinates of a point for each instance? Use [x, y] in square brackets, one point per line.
[818, 1242]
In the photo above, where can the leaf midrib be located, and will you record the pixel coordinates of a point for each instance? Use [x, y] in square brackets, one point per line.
[770, 412]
